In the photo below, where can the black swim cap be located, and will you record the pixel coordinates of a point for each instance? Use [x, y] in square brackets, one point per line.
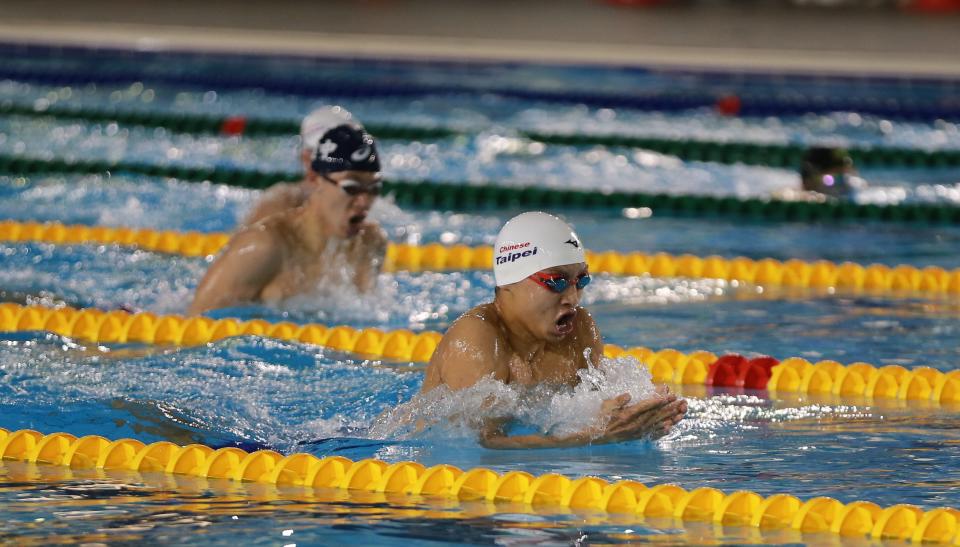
[346, 148]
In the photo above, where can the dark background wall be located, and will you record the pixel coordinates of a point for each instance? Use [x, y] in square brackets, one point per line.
[878, 32]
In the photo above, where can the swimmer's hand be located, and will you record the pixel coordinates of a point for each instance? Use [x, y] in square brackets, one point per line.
[651, 418]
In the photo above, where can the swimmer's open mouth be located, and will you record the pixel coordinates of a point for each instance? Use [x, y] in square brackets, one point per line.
[565, 322]
[357, 219]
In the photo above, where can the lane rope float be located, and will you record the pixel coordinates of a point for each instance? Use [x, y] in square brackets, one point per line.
[875, 278]
[790, 376]
[446, 482]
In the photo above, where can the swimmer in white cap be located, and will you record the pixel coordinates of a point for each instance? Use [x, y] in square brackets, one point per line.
[287, 195]
[534, 332]
[325, 239]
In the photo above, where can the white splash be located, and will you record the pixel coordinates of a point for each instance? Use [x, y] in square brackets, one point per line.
[548, 409]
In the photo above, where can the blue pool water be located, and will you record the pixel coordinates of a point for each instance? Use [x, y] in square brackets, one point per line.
[259, 393]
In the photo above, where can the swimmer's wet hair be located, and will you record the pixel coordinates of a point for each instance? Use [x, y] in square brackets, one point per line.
[823, 158]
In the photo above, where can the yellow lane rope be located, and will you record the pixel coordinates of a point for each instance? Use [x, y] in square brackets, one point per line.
[793, 375]
[436, 257]
[535, 493]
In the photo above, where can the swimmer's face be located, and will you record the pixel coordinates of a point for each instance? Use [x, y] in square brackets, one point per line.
[547, 315]
[345, 199]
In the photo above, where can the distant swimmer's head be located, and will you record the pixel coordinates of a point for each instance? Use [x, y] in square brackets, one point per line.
[343, 168]
[335, 125]
[829, 171]
[538, 261]
[346, 147]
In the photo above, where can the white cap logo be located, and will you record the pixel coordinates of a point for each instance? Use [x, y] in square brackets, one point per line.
[362, 153]
[326, 148]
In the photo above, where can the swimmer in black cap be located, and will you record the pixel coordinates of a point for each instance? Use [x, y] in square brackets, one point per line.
[287, 195]
[324, 238]
[829, 171]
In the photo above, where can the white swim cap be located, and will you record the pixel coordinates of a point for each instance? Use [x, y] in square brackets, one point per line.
[531, 242]
[321, 120]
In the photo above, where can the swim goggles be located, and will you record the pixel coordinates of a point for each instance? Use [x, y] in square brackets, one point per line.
[838, 180]
[354, 188]
[558, 282]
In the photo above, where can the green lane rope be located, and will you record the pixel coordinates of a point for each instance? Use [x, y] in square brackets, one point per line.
[773, 155]
[470, 197]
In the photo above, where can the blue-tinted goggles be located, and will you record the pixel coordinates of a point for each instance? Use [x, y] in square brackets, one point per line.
[558, 282]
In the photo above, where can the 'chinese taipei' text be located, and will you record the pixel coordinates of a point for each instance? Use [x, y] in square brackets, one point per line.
[517, 255]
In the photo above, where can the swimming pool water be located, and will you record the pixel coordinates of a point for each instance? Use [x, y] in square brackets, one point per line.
[492, 149]
[259, 393]
[470, 112]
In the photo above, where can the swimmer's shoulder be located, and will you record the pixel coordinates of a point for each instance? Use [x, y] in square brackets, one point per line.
[290, 194]
[586, 334]
[585, 331]
[476, 331]
[795, 194]
[266, 238]
[278, 198]
[585, 321]
[471, 349]
[482, 316]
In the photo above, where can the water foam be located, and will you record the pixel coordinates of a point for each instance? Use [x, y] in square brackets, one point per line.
[545, 409]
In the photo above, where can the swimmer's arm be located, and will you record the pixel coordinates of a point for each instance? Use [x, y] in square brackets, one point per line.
[372, 254]
[492, 435]
[251, 260]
